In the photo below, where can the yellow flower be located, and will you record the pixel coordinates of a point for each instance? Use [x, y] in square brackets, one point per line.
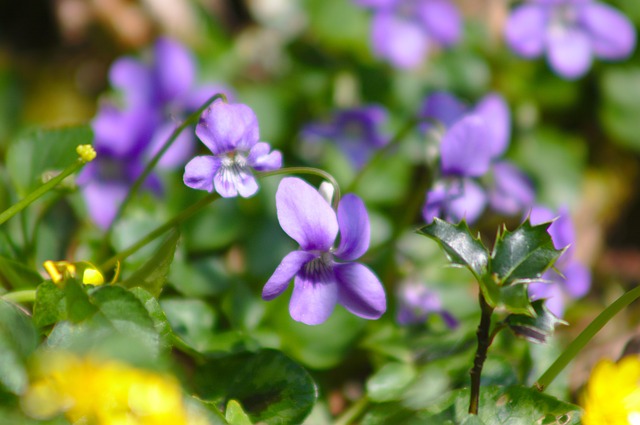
[612, 396]
[93, 392]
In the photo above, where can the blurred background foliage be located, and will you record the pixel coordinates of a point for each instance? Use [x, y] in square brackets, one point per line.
[294, 62]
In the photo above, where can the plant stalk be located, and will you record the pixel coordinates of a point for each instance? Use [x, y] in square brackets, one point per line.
[484, 341]
[585, 336]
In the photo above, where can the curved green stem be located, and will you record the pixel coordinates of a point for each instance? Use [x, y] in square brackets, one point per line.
[27, 200]
[585, 336]
[351, 414]
[185, 214]
[191, 119]
[308, 170]
[399, 136]
[26, 296]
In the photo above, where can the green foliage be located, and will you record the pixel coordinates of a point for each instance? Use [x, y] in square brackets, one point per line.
[37, 152]
[269, 386]
[16, 275]
[538, 328]
[518, 257]
[153, 274]
[18, 339]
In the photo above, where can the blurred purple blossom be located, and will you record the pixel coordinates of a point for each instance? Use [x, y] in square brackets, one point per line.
[355, 131]
[403, 31]
[570, 33]
[319, 281]
[473, 141]
[416, 303]
[575, 279]
[231, 133]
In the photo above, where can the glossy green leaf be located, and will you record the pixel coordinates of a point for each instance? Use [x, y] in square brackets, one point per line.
[153, 274]
[18, 276]
[524, 254]
[538, 328]
[270, 387]
[459, 244]
[18, 339]
[38, 152]
[235, 415]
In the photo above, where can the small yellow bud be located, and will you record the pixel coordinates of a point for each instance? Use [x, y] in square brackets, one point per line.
[86, 153]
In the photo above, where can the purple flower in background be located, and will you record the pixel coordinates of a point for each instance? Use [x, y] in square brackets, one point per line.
[576, 282]
[416, 303]
[320, 282]
[155, 95]
[570, 33]
[474, 140]
[231, 133]
[355, 131]
[403, 31]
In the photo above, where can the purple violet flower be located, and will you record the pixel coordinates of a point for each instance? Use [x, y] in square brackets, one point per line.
[154, 95]
[512, 191]
[231, 133]
[416, 303]
[320, 282]
[575, 279]
[570, 33]
[355, 131]
[402, 31]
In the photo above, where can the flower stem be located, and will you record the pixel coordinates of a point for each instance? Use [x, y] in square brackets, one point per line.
[26, 296]
[585, 336]
[191, 119]
[27, 200]
[159, 231]
[351, 414]
[484, 341]
[399, 136]
[308, 170]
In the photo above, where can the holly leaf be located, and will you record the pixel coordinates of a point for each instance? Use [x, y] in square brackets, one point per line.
[537, 328]
[523, 255]
[462, 248]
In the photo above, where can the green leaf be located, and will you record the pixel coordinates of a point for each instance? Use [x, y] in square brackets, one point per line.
[50, 305]
[515, 298]
[270, 387]
[535, 329]
[18, 276]
[235, 415]
[524, 254]
[517, 406]
[390, 382]
[191, 319]
[153, 274]
[40, 151]
[79, 307]
[18, 339]
[459, 244]
[125, 313]
[156, 313]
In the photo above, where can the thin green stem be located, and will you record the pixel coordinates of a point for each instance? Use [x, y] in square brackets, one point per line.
[26, 296]
[399, 136]
[191, 119]
[159, 231]
[27, 200]
[353, 412]
[484, 341]
[307, 170]
[585, 336]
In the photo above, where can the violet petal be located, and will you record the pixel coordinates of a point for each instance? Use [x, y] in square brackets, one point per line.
[526, 29]
[360, 291]
[314, 297]
[174, 69]
[442, 21]
[465, 148]
[227, 127]
[495, 112]
[288, 268]
[569, 52]
[401, 41]
[199, 172]
[355, 231]
[612, 34]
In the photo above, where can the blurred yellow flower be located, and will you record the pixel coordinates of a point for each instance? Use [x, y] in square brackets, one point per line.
[612, 396]
[94, 392]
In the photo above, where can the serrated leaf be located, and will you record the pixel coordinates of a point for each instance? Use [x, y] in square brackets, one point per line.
[515, 298]
[459, 244]
[524, 254]
[50, 305]
[270, 387]
[38, 151]
[153, 274]
[18, 339]
[18, 276]
[538, 328]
